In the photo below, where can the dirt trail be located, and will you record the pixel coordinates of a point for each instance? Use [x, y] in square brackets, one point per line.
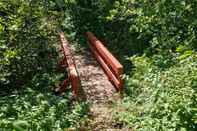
[97, 90]
[94, 82]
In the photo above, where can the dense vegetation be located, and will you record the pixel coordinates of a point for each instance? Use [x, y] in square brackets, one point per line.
[155, 40]
[27, 36]
[28, 73]
[159, 39]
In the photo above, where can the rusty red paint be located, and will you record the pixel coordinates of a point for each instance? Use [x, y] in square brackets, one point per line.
[72, 71]
[107, 70]
[110, 64]
[63, 63]
[106, 55]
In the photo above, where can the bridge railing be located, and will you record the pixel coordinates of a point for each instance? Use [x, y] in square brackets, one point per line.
[111, 66]
[68, 59]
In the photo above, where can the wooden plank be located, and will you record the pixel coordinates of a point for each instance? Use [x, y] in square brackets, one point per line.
[107, 70]
[112, 63]
[72, 72]
[105, 54]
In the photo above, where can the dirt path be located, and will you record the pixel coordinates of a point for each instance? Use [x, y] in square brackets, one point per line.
[97, 90]
[94, 82]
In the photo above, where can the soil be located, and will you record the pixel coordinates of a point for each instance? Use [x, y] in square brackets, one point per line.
[95, 84]
[97, 90]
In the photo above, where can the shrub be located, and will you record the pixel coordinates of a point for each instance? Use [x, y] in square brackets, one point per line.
[27, 39]
[138, 26]
[161, 99]
[166, 24]
[35, 107]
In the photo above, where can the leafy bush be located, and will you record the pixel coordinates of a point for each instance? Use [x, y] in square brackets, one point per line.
[138, 26]
[27, 40]
[161, 88]
[161, 99]
[164, 24]
[28, 59]
[35, 107]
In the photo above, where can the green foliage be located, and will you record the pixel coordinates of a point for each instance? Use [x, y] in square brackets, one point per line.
[164, 23]
[137, 26]
[27, 40]
[35, 107]
[28, 60]
[161, 34]
[161, 99]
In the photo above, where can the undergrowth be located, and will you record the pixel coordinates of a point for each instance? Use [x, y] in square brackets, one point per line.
[158, 99]
[35, 107]
[28, 60]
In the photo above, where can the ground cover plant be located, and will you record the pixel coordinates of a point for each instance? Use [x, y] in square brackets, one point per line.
[36, 107]
[160, 99]
[28, 69]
